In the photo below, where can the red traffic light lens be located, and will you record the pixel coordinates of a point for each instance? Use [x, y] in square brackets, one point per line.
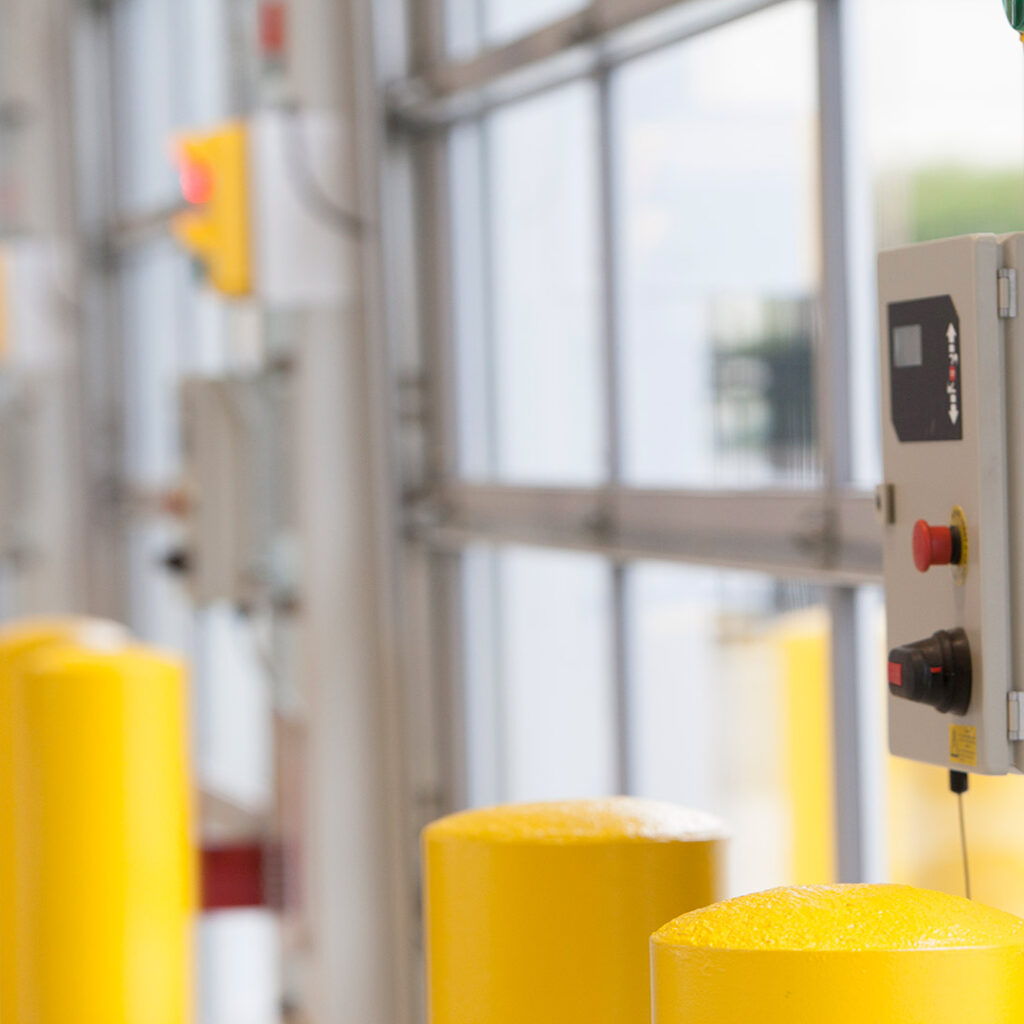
[197, 182]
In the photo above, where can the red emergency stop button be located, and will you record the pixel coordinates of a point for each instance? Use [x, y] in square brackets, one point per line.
[935, 545]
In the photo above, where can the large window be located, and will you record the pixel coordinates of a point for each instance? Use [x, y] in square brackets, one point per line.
[642, 471]
[718, 255]
[538, 353]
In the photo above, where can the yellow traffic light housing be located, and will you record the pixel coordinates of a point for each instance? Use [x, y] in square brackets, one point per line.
[216, 228]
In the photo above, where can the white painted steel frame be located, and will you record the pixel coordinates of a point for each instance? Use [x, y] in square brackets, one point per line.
[804, 535]
[597, 38]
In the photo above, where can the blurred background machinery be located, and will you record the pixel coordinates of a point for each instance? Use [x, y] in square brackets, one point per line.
[181, 282]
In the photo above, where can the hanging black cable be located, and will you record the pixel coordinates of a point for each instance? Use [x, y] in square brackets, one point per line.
[958, 783]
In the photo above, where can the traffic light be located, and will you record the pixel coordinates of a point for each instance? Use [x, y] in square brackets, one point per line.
[216, 229]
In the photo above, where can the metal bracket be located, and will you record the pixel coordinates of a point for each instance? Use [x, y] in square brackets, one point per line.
[885, 504]
[1015, 715]
[1007, 289]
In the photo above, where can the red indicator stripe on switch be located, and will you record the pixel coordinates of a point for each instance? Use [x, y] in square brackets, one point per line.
[895, 673]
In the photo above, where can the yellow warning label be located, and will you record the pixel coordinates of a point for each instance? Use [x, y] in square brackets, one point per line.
[963, 745]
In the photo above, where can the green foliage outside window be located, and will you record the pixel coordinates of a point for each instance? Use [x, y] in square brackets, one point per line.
[948, 201]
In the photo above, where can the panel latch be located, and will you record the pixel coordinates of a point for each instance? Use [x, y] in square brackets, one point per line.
[1007, 285]
[1015, 715]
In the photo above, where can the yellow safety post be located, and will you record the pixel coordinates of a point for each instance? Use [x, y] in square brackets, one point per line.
[541, 913]
[102, 854]
[19, 640]
[843, 954]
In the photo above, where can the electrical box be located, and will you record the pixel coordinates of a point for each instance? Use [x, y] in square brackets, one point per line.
[36, 301]
[238, 542]
[952, 379]
[32, 304]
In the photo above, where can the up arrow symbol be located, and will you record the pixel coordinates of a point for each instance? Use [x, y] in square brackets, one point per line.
[951, 334]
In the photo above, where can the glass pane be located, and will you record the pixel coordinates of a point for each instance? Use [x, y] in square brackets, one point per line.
[470, 310]
[719, 257]
[730, 712]
[937, 153]
[173, 70]
[545, 256]
[943, 119]
[542, 255]
[541, 706]
[147, 104]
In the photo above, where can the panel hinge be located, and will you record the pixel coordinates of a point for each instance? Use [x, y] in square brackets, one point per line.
[1015, 715]
[1007, 285]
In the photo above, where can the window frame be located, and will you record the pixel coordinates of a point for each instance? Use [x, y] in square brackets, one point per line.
[828, 534]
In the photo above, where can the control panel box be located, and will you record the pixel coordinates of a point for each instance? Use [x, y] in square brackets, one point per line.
[237, 446]
[947, 499]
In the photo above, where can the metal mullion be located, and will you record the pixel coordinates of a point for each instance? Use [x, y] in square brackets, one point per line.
[100, 366]
[621, 677]
[496, 606]
[451, 670]
[781, 532]
[610, 338]
[446, 615]
[835, 444]
[440, 456]
[488, 278]
[582, 44]
[832, 355]
[499, 676]
[433, 169]
[435, 246]
[383, 166]
[458, 537]
[609, 281]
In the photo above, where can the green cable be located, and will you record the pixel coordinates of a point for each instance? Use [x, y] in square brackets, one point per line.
[1015, 12]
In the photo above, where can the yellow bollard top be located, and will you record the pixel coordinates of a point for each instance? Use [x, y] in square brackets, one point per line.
[843, 918]
[615, 819]
[25, 635]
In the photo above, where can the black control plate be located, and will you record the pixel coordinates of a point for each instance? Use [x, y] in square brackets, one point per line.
[925, 370]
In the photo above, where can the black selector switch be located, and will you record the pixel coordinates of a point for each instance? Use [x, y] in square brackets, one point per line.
[936, 671]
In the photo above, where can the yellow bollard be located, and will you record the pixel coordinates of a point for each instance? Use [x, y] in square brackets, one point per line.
[843, 954]
[19, 641]
[540, 913]
[102, 857]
